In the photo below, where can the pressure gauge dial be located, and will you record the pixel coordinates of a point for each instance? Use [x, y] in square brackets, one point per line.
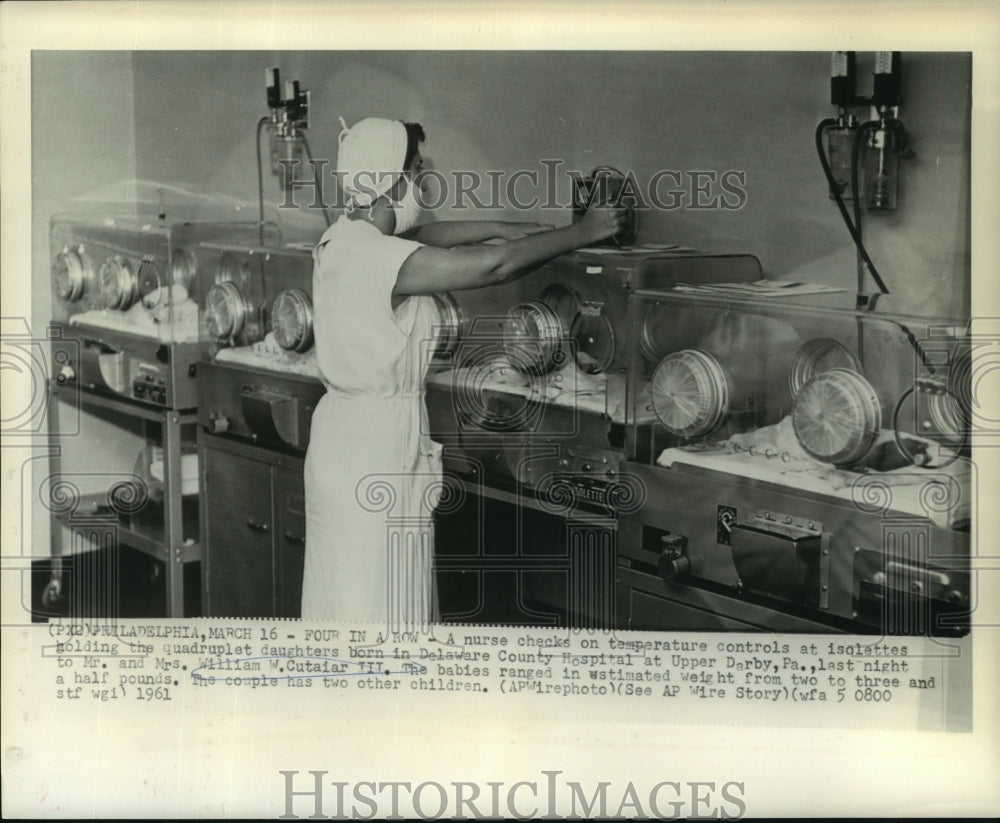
[225, 310]
[947, 398]
[450, 328]
[182, 269]
[817, 356]
[837, 416]
[117, 283]
[532, 338]
[151, 284]
[69, 274]
[960, 379]
[230, 269]
[689, 393]
[292, 320]
[651, 332]
[946, 416]
[480, 399]
[564, 303]
[595, 339]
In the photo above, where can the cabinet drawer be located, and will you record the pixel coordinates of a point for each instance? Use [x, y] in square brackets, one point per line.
[239, 530]
[289, 538]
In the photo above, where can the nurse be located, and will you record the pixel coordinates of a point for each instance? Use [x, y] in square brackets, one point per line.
[371, 472]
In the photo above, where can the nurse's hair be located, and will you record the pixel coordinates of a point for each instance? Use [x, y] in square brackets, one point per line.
[414, 137]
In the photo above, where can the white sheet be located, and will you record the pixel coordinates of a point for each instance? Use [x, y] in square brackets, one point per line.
[168, 324]
[267, 354]
[946, 491]
[567, 388]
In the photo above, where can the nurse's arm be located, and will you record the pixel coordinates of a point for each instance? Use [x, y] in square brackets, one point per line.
[430, 270]
[449, 233]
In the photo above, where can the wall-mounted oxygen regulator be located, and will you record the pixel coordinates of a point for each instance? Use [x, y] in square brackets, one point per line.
[861, 160]
[872, 148]
[289, 118]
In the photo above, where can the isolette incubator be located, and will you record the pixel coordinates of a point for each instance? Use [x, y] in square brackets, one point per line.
[805, 470]
[125, 348]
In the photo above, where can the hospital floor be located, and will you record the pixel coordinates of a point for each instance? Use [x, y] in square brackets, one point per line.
[122, 583]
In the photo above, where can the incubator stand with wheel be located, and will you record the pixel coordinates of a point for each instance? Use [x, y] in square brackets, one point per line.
[536, 393]
[125, 346]
[125, 300]
[531, 409]
[808, 470]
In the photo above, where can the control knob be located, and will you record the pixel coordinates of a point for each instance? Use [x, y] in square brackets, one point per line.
[218, 424]
[674, 561]
[67, 374]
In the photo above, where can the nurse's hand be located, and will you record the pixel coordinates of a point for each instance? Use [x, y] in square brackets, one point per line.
[515, 231]
[602, 221]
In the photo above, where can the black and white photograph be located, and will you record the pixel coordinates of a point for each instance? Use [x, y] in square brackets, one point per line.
[373, 406]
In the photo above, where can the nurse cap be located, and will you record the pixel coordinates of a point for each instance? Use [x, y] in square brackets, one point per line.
[370, 159]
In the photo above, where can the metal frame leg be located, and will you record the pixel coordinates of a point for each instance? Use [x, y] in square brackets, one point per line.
[173, 514]
[53, 592]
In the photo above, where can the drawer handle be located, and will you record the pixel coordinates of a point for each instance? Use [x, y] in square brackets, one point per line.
[294, 539]
[257, 527]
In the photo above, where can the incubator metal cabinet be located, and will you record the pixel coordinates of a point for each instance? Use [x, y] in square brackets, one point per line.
[808, 469]
[125, 347]
[531, 409]
[257, 393]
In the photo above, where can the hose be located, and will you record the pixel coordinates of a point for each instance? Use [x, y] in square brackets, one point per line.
[854, 227]
[904, 449]
[260, 183]
[854, 232]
